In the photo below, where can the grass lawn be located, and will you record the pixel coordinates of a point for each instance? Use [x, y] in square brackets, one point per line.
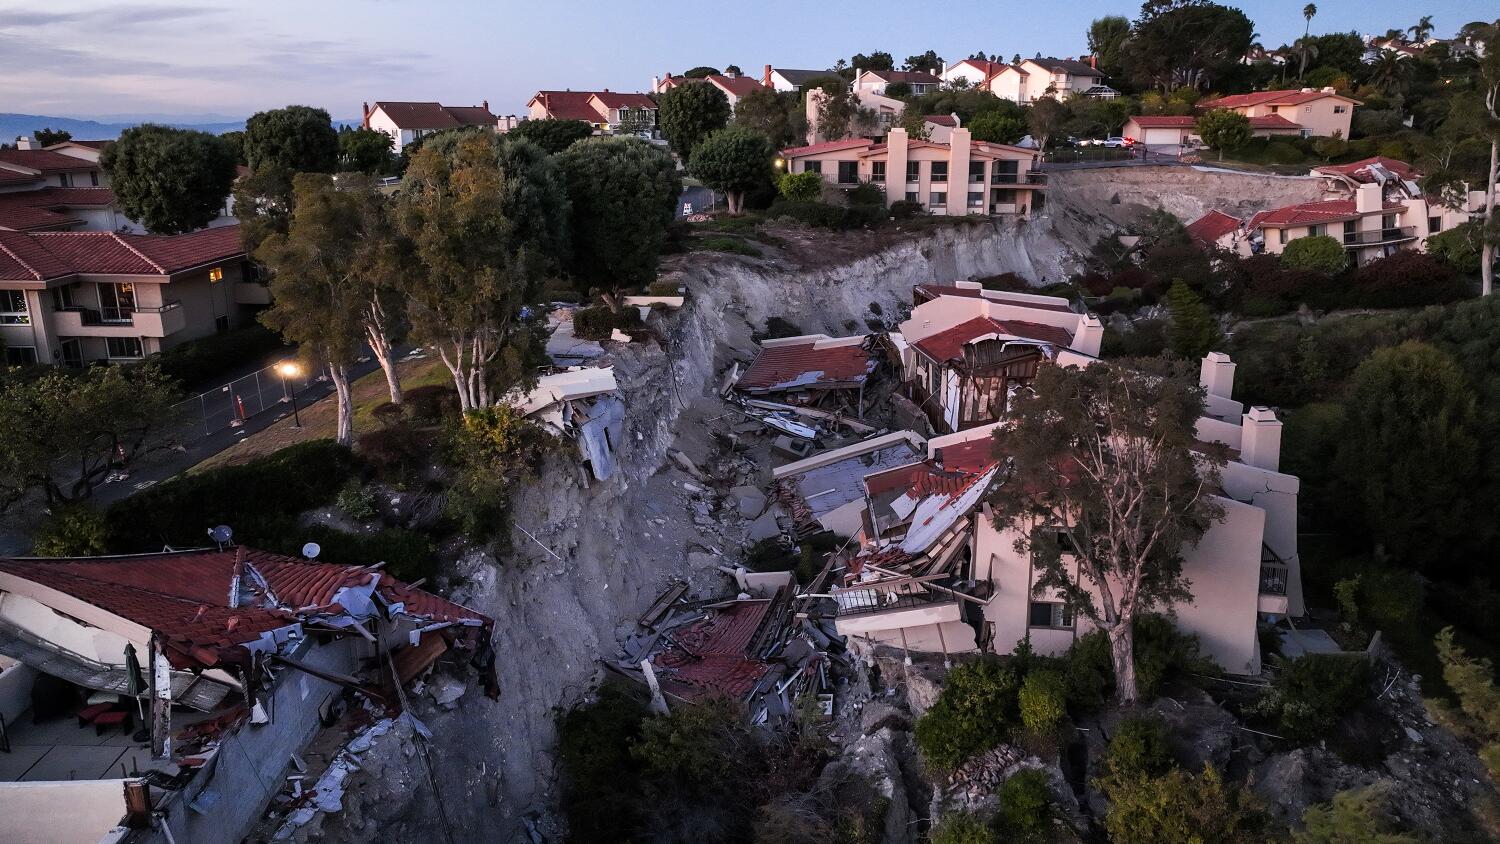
[318, 418]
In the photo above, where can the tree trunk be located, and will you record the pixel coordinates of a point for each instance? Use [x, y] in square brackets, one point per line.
[344, 429]
[1122, 655]
[380, 346]
[1487, 252]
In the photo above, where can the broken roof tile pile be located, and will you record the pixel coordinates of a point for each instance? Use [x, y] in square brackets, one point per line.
[1371, 170]
[814, 364]
[948, 345]
[184, 598]
[1208, 229]
[41, 256]
[820, 490]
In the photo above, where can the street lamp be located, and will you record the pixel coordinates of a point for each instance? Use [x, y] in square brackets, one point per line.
[288, 370]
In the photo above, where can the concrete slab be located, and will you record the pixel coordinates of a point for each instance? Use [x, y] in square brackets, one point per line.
[18, 761]
[1295, 643]
[74, 763]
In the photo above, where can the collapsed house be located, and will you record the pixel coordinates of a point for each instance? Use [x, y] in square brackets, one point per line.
[965, 350]
[154, 697]
[581, 404]
[766, 648]
[814, 370]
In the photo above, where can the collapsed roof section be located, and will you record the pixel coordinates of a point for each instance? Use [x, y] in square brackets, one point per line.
[582, 403]
[808, 362]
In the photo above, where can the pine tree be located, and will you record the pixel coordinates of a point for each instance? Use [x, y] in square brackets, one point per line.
[1192, 333]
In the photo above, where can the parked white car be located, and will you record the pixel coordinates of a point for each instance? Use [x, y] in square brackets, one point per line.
[1117, 142]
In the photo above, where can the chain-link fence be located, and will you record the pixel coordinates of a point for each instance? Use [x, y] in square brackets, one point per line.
[231, 404]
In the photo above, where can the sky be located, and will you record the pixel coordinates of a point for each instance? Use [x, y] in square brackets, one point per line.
[218, 59]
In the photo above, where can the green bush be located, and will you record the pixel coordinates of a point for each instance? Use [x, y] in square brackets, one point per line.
[357, 501]
[598, 770]
[397, 453]
[256, 499]
[1179, 807]
[1026, 806]
[1089, 672]
[866, 193]
[905, 209]
[825, 216]
[972, 714]
[76, 531]
[732, 245]
[1356, 816]
[1139, 748]
[491, 450]
[1320, 254]
[598, 322]
[1460, 247]
[197, 362]
[1404, 280]
[1161, 652]
[800, 187]
[1310, 694]
[963, 828]
[431, 402]
[408, 555]
[1043, 700]
[664, 288]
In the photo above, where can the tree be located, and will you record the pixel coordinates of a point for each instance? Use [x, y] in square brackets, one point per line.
[553, 136]
[1192, 332]
[1178, 806]
[298, 139]
[1308, 12]
[1389, 72]
[63, 432]
[1084, 450]
[771, 113]
[1356, 816]
[236, 141]
[1412, 406]
[1106, 40]
[1317, 253]
[1307, 48]
[1490, 71]
[623, 193]
[877, 60]
[929, 61]
[169, 180]
[1222, 129]
[1185, 43]
[1421, 29]
[733, 160]
[700, 72]
[840, 114]
[1046, 118]
[47, 136]
[688, 113]
[366, 151]
[997, 128]
[312, 270]
[486, 216]
[972, 714]
[732, 70]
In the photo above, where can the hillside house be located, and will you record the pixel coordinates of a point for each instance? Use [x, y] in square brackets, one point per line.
[1318, 112]
[877, 81]
[582, 404]
[970, 73]
[1173, 133]
[1368, 225]
[405, 122]
[1059, 79]
[1217, 230]
[605, 110]
[74, 298]
[962, 176]
[69, 167]
[732, 85]
[812, 369]
[153, 697]
[785, 79]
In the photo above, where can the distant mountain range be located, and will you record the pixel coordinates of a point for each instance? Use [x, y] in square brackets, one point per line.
[16, 125]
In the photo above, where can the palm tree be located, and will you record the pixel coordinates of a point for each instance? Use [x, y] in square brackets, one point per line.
[1309, 49]
[1422, 29]
[1308, 12]
[1389, 72]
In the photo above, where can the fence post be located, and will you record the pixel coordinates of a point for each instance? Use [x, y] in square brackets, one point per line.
[260, 396]
[203, 414]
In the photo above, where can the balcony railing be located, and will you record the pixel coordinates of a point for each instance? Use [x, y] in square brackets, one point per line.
[858, 601]
[1028, 178]
[168, 305]
[1372, 238]
[1273, 579]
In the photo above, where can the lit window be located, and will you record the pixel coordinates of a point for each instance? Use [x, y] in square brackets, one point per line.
[13, 308]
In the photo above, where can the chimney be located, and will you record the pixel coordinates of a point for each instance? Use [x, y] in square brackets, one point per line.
[24, 142]
[1306, 91]
[365, 122]
[1260, 439]
[484, 104]
[1217, 375]
[656, 84]
[1091, 337]
[958, 122]
[1093, 61]
[1367, 198]
[765, 79]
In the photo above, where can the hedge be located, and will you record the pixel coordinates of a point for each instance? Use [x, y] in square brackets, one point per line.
[599, 322]
[197, 362]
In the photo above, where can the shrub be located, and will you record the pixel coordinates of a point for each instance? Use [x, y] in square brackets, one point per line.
[1089, 672]
[357, 501]
[1161, 651]
[1460, 246]
[1320, 254]
[1005, 281]
[977, 705]
[490, 450]
[1312, 693]
[593, 748]
[1043, 700]
[664, 288]
[726, 244]
[388, 412]
[825, 216]
[408, 555]
[905, 209]
[1147, 338]
[1139, 748]
[800, 187]
[963, 828]
[76, 531]
[197, 362]
[866, 193]
[1025, 806]
[598, 322]
[1356, 816]
[255, 499]
[431, 402]
[1180, 807]
[1406, 279]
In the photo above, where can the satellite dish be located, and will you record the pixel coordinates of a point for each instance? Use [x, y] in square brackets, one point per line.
[311, 550]
[221, 534]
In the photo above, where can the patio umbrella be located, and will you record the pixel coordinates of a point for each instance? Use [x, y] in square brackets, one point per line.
[134, 685]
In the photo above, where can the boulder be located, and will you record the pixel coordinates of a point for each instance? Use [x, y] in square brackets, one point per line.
[445, 691]
[751, 502]
[764, 527]
[867, 776]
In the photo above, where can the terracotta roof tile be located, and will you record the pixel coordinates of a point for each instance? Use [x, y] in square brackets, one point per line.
[568, 105]
[45, 160]
[1359, 171]
[45, 208]
[413, 115]
[736, 85]
[1326, 211]
[57, 254]
[1207, 230]
[948, 345]
[708, 658]
[805, 365]
[974, 455]
[827, 146]
[1294, 96]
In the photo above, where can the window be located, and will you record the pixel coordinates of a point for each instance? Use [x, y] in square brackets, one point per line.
[976, 199]
[1006, 173]
[20, 355]
[65, 179]
[1434, 225]
[116, 302]
[877, 172]
[976, 171]
[934, 381]
[1338, 109]
[913, 171]
[1388, 221]
[123, 347]
[1049, 614]
[911, 196]
[13, 308]
[848, 172]
[1351, 231]
[94, 178]
[1316, 230]
[812, 166]
[937, 198]
[1003, 196]
[1281, 236]
[940, 171]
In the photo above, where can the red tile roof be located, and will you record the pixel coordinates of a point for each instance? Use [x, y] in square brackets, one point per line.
[43, 208]
[412, 115]
[184, 596]
[941, 120]
[1164, 121]
[988, 68]
[948, 345]
[1327, 211]
[1207, 230]
[615, 99]
[974, 455]
[1273, 121]
[1294, 96]
[45, 160]
[708, 658]
[827, 146]
[38, 256]
[568, 105]
[1359, 171]
[736, 85]
[15, 177]
[805, 365]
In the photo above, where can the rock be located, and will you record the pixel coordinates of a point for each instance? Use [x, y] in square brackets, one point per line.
[1201, 730]
[867, 777]
[750, 501]
[445, 691]
[1415, 736]
[764, 527]
[698, 560]
[878, 714]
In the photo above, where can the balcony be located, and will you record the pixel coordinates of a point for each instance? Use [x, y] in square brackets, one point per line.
[866, 610]
[1378, 237]
[1273, 585]
[1030, 178]
[140, 321]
